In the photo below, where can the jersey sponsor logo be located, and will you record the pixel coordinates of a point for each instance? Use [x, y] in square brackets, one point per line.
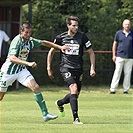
[24, 53]
[73, 49]
[67, 75]
[88, 44]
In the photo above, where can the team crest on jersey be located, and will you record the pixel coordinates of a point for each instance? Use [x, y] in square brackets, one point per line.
[72, 41]
[24, 53]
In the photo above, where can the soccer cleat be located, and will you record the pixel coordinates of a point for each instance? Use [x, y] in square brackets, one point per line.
[77, 121]
[61, 109]
[49, 117]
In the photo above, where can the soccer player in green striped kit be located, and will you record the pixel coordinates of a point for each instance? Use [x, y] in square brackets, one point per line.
[14, 67]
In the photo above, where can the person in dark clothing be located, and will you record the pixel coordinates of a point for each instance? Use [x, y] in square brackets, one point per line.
[122, 56]
[71, 64]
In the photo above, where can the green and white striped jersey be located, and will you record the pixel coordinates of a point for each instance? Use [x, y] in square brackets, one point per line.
[21, 50]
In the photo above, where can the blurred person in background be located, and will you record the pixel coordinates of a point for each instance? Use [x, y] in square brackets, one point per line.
[3, 37]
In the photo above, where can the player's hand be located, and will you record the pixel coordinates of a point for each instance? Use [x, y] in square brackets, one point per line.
[50, 74]
[92, 73]
[114, 59]
[32, 64]
[64, 47]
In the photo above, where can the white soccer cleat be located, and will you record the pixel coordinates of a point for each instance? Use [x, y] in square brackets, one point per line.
[49, 117]
[77, 121]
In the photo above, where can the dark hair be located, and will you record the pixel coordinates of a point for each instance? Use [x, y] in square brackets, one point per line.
[26, 25]
[68, 20]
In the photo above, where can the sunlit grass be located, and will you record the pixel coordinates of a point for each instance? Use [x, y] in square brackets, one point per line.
[98, 110]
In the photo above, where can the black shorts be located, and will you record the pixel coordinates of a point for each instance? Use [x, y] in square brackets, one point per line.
[72, 76]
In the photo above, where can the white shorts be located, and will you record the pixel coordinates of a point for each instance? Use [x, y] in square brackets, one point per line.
[22, 77]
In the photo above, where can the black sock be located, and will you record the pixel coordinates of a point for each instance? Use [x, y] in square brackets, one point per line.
[65, 100]
[74, 105]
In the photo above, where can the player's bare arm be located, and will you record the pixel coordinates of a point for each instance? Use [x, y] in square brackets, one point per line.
[16, 60]
[50, 44]
[49, 61]
[114, 48]
[92, 60]
[9, 42]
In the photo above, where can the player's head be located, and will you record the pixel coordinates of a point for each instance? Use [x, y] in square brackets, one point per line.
[72, 24]
[74, 18]
[26, 30]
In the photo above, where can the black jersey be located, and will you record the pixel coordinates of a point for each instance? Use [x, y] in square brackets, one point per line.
[72, 58]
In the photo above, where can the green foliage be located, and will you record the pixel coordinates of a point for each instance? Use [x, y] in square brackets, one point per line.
[99, 19]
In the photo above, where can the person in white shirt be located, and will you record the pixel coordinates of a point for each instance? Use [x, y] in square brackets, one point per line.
[3, 37]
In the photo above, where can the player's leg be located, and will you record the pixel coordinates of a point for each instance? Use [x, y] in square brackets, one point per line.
[38, 96]
[74, 103]
[26, 79]
[61, 102]
[1, 95]
[73, 100]
[66, 76]
[5, 81]
[66, 99]
[70, 78]
[75, 89]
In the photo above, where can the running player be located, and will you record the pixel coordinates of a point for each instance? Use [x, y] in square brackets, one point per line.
[14, 67]
[71, 64]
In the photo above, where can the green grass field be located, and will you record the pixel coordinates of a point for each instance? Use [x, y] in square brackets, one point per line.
[98, 110]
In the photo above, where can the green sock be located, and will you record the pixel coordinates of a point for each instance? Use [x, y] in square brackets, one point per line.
[39, 99]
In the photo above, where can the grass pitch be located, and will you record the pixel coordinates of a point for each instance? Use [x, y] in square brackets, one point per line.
[100, 112]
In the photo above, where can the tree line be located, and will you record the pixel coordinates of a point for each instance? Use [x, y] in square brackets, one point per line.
[99, 19]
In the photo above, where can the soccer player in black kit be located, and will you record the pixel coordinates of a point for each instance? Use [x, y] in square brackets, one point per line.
[71, 64]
